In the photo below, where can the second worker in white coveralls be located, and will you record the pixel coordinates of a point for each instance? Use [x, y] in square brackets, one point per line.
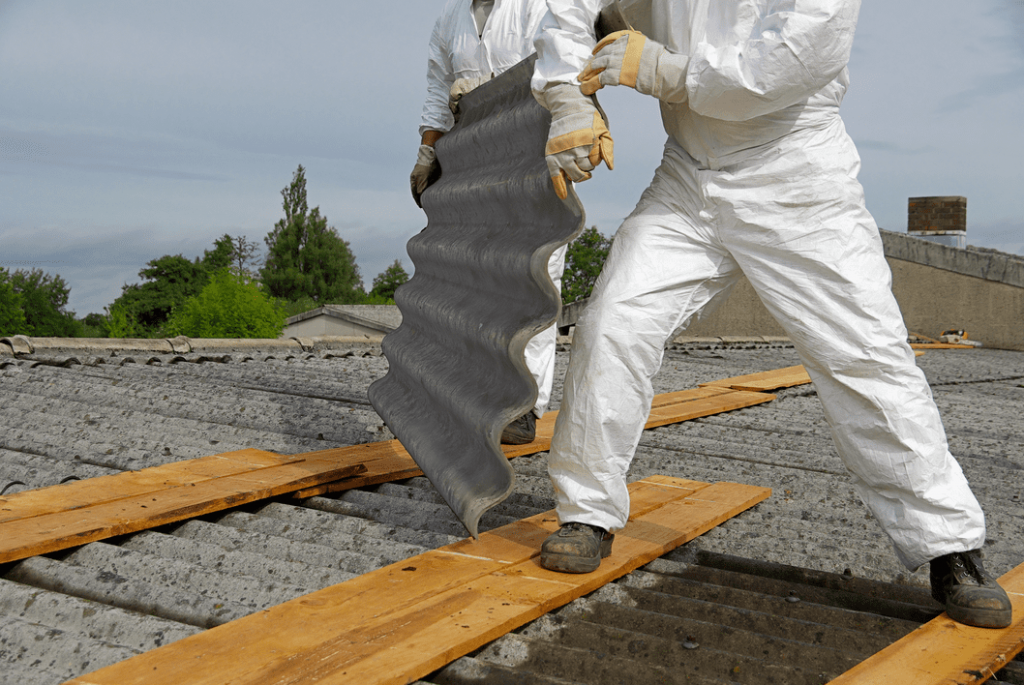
[473, 41]
[758, 178]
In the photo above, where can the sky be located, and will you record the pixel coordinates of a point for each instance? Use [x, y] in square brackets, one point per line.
[131, 130]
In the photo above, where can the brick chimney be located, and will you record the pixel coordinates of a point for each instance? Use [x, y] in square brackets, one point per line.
[938, 219]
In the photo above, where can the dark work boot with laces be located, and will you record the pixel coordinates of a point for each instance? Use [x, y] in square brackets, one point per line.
[522, 431]
[576, 548]
[970, 595]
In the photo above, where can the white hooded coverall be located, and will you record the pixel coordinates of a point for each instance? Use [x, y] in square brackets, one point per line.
[758, 178]
[457, 50]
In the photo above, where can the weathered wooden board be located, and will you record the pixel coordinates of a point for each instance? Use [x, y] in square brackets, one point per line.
[390, 461]
[941, 346]
[63, 516]
[92, 491]
[406, 620]
[149, 500]
[945, 652]
[765, 380]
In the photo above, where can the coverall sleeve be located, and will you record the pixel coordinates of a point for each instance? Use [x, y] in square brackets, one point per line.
[564, 42]
[795, 48]
[440, 77]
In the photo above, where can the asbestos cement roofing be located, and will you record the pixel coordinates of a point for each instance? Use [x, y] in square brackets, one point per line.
[795, 590]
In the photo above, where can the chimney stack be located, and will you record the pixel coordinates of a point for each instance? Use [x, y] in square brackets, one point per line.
[941, 220]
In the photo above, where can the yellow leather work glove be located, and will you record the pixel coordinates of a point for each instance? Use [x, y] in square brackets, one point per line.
[578, 139]
[629, 58]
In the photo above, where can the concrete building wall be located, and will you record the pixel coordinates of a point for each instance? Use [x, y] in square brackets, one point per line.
[326, 325]
[938, 288]
[933, 301]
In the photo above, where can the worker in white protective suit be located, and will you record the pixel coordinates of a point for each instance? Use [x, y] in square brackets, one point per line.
[758, 178]
[473, 41]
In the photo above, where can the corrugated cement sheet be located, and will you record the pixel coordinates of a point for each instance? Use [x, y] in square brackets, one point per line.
[722, 609]
[481, 290]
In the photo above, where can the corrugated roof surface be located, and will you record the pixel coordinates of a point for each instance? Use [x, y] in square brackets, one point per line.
[68, 613]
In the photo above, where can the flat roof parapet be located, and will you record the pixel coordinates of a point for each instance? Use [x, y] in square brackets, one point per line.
[989, 265]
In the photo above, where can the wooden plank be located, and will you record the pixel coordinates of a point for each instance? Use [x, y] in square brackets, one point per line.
[92, 491]
[406, 620]
[708, 406]
[44, 533]
[667, 408]
[765, 380]
[941, 346]
[120, 503]
[946, 652]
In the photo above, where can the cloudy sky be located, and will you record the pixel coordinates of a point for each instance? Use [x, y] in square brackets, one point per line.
[130, 130]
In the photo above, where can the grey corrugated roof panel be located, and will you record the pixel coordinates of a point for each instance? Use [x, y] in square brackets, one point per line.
[69, 654]
[88, 619]
[108, 586]
[479, 293]
[214, 550]
[176, 396]
[328, 520]
[785, 444]
[707, 619]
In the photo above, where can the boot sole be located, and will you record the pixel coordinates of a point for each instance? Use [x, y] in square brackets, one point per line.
[571, 563]
[981, 618]
[517, 439]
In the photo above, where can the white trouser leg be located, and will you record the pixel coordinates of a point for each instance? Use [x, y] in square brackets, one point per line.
[795, 223]
[640, 298]
[540, 350]
[825, 279]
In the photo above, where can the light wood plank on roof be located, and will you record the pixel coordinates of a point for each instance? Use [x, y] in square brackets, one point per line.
[403, 621]
[944, 651]
[392, 462]
[156, 504]
[764, 380]
[92, 491]
[75, 513]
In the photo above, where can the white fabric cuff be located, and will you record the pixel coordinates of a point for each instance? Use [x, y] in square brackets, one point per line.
[425, 156]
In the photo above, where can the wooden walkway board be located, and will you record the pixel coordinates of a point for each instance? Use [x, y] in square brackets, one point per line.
[941, 346]
[72, 514]
[57, 518]
[389, 461]
[83, 493]
[765, 380]
[404, 621]
[945, 652]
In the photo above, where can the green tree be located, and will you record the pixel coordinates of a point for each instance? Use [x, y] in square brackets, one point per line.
[121, 323]
[44, 299]
[583, 262]
[305, 257]
[386, 283]
[142, 309]
[221, 256]
[230, 306]
[167, 282]
[12, 313]
[95, 326]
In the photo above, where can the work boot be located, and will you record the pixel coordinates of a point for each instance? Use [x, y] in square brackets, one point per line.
[576, 548]
[522, 431]
[971, 596]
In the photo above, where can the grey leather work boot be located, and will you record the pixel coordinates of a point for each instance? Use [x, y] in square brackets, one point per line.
[522, 431]
[576, 548]
[970, 595]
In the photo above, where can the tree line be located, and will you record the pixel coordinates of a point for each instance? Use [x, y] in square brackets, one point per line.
[233, 290]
